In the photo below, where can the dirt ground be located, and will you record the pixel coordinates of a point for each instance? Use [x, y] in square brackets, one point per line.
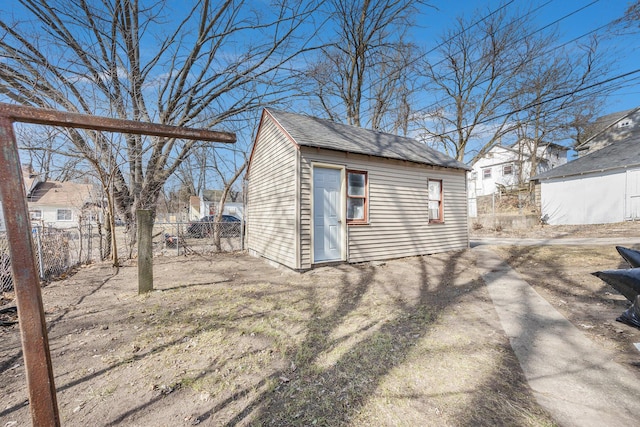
[230, 340]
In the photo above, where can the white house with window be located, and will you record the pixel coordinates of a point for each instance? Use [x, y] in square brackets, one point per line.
[321, 192]
[508, 167]
[62, 204]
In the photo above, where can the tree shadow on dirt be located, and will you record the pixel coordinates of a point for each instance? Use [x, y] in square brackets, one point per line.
[310, 394]
[307, 390]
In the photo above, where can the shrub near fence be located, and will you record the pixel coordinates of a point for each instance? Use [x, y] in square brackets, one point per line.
[56, 252]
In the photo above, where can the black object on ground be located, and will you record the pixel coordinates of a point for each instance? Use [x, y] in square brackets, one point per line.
[632, 315]
[626, 281]
[632, 256]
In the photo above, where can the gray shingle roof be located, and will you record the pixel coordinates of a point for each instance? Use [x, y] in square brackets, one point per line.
[313, 132]
[621, 154]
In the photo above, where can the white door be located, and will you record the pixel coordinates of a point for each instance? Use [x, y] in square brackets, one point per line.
[327, 216]
[632, 202]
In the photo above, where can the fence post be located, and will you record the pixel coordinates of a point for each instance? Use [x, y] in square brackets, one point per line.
[40, 255]
[89, 239]
[145, 251]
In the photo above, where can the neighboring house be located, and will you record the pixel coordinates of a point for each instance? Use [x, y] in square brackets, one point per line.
[609, 129]
[603, 184]
[509, 167]
[208, 205]
[62, 204]
[323, 192]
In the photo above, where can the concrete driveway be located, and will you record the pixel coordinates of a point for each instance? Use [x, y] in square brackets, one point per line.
[574, 379]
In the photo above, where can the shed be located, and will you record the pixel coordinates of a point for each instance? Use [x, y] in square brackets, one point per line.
[321, 192]
[603, 184]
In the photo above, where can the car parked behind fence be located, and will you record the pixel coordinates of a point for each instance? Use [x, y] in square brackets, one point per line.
[229, 226]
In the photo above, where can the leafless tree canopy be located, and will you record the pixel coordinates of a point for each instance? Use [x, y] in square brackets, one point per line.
[200, 67]
[496, 75]
[362, 76]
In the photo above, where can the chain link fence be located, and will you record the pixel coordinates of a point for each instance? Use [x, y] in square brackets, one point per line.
[56, 252]
[199, 237]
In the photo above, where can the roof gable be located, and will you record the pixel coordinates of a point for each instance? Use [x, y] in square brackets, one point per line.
[313, 132]
[519, 151]
[621, 154]
[611, 128]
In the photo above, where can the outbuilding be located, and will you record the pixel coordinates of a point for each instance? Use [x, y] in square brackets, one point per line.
[603, 184]
[321, 192]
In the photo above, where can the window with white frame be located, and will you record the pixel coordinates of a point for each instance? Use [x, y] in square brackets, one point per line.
[435, 201]
[507, 170]
[486, 173]
[64, 215]
[357, 189]
[35, 214]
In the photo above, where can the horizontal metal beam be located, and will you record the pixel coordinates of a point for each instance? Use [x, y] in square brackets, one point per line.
[21, 113]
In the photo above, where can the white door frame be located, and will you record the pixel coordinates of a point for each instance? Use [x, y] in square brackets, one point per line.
[341, 210]
[631, 194]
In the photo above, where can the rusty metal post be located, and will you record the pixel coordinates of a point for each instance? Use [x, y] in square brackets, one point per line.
[33, 329]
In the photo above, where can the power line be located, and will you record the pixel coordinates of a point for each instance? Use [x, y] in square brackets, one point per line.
[538, 103]
[437, 103]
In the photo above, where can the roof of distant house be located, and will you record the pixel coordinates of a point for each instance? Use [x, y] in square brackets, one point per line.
[65, 194]
[313, 132]
[620, 147]
[603, 123]
[624, 153]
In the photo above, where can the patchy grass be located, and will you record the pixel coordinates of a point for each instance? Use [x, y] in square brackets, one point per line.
[232, 341]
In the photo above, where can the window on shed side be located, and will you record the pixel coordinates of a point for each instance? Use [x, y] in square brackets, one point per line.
[357, 197]
[435, 201]
[507, 170]
[486, 173]
[35, 214]
[64, 215]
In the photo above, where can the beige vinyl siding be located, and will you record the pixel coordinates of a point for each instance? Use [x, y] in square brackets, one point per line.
[398, 208]
[272, 200]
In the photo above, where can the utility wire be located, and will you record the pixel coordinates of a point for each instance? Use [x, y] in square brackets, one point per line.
[538, 103]
[437, 103]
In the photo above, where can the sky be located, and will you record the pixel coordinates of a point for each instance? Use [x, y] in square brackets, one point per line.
[574, 19]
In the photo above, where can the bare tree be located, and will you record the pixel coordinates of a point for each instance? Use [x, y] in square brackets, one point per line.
[631, 19]
[199, 67]
[556, 97]
[479, 63]
[47, 152]
[362, 76]
[499, 77]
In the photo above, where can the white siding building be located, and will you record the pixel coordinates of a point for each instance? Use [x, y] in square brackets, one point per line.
[510, 166]
[603, 184]
[323, 192]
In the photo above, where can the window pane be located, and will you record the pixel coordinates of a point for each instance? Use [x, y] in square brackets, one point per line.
[434, 190]
[434, 210]
[355, 208]
[356, 184]
[64, 215]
